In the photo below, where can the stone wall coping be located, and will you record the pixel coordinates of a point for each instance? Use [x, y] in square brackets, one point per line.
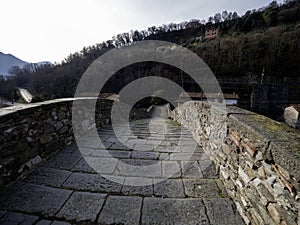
[13, 109]
[284, 141]
[258, 158]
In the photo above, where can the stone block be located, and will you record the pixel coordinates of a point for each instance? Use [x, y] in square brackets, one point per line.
[58, 126]
[171, 169]
[60, 223]
[96, 165]
[173, 211]
[37, 199]
[44, 222]
[217, 208]
[121, 210]
[226, 149]
[48, 176]
[266, 196]
[208, 169]
[45, 138]
[171, 188]
[139, 168]
[12, 218]
[144, 155]
[274, 212]
[63, 130]
[261, 172]
[244, 176]
[287, 155]
[191, 169]
[204, 188]
[249, 171]
[63, 161]
[94, 183]
[82, 206]
[138, 186]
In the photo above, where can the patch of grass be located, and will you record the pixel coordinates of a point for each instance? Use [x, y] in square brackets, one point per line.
[220, 193]
[174, 122]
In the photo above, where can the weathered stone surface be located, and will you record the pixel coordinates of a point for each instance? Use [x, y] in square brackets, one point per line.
[181, 156]
[265, 194]
[274, 212]
[144, 155]
[2, 212]
[138, 186]
[46, 138]
[226, 149]
[86, 151]
[91, 143]
[167, 148]
[111, 153]
[82, 206]
[82, 166]
[63, 161]
[164, 156]
[121, 210]
[204, 188]
[93, 182]
[171, 169]
[96, 165]
[120, 154]
[37, 199]
[143, 147]
[58, 125]
[139, 168]
[174, 211]
[48, 176]
[222, 211]
[191, 169]
[12, 218]
[208, 169]
[252, 143]
[249, 171]
[118, 146]
[44, 222]
[60, 223]
[244, 176]
[261, 172]
[289, 158]
[171, 188]
[63, 129]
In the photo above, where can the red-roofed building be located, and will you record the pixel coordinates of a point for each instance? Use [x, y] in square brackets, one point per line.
[212, 33]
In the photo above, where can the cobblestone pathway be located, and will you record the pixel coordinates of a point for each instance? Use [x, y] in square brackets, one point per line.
[66, 190]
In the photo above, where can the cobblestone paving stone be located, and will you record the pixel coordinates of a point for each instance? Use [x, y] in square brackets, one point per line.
[66, 188]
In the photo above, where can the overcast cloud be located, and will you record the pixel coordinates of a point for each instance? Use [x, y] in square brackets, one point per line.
[36, 30]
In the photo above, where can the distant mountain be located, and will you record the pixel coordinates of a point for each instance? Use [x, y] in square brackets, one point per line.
[7, 61]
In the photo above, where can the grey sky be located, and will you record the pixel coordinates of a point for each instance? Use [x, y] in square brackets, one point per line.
[36, 30]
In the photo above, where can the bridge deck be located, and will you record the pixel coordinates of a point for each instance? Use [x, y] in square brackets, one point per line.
[66, 190]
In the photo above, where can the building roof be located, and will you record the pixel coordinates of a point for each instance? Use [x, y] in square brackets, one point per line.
[209, 95]
[296, 107]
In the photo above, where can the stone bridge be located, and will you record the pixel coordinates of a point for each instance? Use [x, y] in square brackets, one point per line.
[207, 166]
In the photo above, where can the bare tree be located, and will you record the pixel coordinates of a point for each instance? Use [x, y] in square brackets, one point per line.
[224, 15]
[218, 18]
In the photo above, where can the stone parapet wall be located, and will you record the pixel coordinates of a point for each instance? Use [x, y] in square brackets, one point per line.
[258, 159]
[32, 132]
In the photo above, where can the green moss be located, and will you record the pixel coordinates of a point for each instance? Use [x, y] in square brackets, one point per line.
[174, 123]
[220, 193]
